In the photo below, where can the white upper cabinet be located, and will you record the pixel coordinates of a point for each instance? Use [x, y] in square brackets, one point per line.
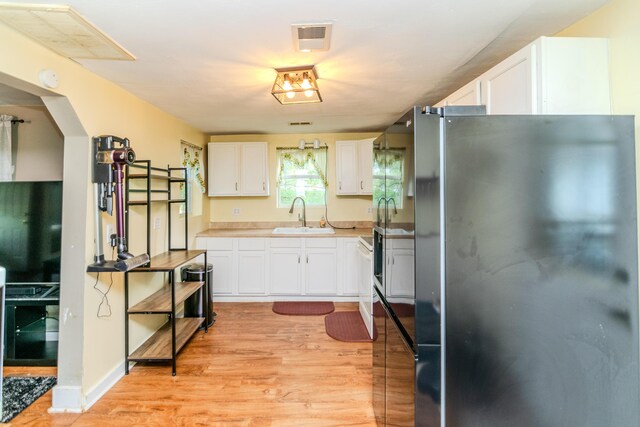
[468, 94]
[254, 169]
[347, 167]
[574, 75]
[508, 88]
[238, 169]
[353, 167]
[553, 75]
[365, 153]
[223, 169]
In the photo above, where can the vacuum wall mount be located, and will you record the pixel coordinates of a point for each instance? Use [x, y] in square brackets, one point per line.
[110, 155]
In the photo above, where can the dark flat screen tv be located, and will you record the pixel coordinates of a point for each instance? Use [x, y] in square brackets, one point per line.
[31, 231]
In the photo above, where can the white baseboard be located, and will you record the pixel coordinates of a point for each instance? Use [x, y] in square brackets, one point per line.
[103, 386]
[71, 398]
[66, 399]
[271, 298]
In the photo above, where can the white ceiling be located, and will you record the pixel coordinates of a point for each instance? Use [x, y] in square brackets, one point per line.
[211, 62]
[12, 96]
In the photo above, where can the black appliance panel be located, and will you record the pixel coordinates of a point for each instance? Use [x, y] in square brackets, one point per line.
[379, 359]
[541, 272]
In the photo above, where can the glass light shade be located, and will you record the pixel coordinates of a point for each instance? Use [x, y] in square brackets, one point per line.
[296, 86]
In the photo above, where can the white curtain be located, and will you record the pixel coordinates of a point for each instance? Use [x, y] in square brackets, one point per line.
[5, 148]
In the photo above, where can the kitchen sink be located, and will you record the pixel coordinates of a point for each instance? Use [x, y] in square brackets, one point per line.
[398, 232]
[302, 230]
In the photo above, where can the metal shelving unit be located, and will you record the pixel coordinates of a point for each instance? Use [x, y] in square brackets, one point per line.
[167, 341]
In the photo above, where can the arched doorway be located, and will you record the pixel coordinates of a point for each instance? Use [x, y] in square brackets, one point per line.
[76, 239]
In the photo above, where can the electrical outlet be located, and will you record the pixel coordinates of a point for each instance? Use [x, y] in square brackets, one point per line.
[109, 232]
[236, 211]
[369, 210]
[156, 223]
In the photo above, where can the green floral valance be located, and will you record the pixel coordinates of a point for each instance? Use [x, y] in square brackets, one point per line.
[391, 155]
[191, 161]
[291, 159]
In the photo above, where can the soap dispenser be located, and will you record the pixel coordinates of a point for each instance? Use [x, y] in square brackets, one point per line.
[323, 222]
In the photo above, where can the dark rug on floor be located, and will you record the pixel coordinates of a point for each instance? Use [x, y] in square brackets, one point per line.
[20, 392]
[347, 326]
[303, 308]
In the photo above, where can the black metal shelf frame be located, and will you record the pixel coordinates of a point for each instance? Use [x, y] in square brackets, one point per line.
[170, 175]
[155, 173]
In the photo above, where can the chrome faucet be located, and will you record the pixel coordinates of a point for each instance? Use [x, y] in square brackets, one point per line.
[379, 219]
[304, 211]
[395, 210]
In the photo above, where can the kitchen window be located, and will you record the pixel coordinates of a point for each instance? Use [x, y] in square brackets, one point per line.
[302, 173]
[389, 164]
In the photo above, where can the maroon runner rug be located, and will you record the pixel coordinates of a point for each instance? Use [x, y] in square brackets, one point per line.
[347, 326]
[303, 308]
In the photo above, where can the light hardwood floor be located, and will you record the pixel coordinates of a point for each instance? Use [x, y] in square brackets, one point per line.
[253, 368]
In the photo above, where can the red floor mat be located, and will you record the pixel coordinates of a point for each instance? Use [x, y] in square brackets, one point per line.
[303, 308]
[347, 326]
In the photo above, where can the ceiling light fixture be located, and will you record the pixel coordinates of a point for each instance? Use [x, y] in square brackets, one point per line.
[296, 85]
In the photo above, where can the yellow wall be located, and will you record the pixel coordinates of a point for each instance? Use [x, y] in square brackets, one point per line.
[340, 208]
[103, 108]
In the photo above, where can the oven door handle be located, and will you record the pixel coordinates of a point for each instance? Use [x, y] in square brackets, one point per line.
[364, 251]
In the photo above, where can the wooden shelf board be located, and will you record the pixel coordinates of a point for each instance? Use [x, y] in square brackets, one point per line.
[158, 346]
[168, 261]
[160, 302]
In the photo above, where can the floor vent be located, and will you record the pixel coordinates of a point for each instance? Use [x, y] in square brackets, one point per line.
[299, 123]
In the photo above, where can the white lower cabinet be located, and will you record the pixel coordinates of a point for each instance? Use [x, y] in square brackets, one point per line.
[350, 261]
[222, 277]
[285, 274]
[400, 265]
[320, 272]
[288, 267]
[321, 266]
[252, 271]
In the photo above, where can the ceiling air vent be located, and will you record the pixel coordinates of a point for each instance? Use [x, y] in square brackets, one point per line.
[299, 123]
[311, 37]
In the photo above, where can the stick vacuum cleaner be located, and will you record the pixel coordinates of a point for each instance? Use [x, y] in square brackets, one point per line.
[111, 154]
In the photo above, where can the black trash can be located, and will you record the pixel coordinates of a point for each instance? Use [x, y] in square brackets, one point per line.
[193, 304]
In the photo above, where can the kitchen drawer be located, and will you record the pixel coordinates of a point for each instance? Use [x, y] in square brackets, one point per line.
[251, 244]
[285, 242]
[320, 242]
[220, 244]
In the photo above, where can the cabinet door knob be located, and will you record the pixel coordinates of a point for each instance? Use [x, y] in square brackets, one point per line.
[236, 186]
[340, 185]
[362, 188]
[263, 186]
[307, 259]
[298, 259]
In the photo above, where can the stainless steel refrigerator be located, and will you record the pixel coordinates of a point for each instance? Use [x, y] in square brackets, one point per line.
[506, 270]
